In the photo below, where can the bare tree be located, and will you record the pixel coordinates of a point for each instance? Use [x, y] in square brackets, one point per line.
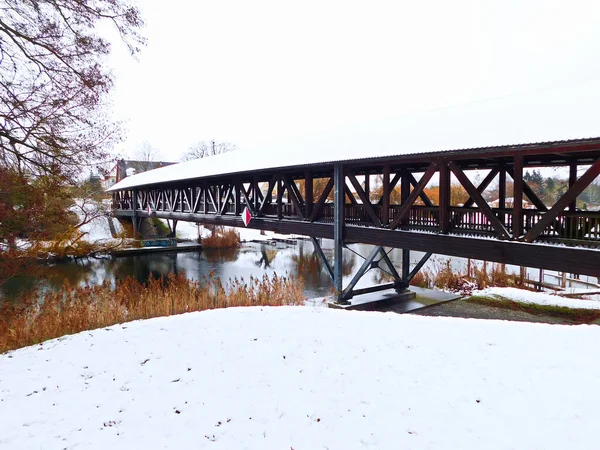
[146, 152]
[204, 149]
[54, 79]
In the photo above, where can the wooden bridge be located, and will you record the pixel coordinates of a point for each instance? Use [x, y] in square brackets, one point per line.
[337, 200]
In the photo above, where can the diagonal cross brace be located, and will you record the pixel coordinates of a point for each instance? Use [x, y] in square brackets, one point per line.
[365, 200]
[366, 265]
[293, 195]
[249, 205]
[584, 181]
[481, 203]
[386, 259]
[319, 205]
[417, 191]
[324, 260]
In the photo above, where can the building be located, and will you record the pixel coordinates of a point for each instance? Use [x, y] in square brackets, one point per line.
[125, 168]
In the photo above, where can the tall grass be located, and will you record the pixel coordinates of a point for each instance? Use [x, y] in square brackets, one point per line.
[74, 309]
[222, 237]
[443, 276]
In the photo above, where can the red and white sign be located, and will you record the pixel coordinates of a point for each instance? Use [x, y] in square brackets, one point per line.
[246, 216]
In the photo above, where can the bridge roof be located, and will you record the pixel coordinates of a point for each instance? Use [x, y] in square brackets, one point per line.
[542, 120]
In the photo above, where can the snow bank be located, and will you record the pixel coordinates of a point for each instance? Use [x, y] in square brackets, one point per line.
[537, 298]
[305, 378]
[189, 230]
[98, 229]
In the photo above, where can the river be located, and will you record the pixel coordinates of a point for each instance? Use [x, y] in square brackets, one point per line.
[294, 257]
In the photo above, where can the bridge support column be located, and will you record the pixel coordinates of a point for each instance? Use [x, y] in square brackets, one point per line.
[338, 231]
[374, 260]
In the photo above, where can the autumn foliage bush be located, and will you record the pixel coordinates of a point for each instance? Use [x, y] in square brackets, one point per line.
[73, 309]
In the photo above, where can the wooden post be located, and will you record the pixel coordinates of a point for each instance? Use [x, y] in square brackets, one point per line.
[404, 192]
[308, 193]
[502, 193]
[572, 180]
[385, 206]
[368, 186]
[444, 206]
[279, 197]
[517, 220]
[255, 199]
[238, 203]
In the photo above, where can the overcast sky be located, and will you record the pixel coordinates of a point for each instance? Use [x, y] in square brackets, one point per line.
[258, 72]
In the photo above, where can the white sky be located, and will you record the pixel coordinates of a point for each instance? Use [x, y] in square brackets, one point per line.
[263, 72]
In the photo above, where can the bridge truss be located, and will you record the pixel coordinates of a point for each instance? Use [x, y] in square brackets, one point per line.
[338, 200]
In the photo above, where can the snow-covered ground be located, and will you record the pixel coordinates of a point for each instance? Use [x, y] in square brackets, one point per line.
[538, 298]
[189, 230]
[305, 378]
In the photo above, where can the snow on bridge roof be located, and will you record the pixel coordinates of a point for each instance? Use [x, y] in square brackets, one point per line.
[544, 116]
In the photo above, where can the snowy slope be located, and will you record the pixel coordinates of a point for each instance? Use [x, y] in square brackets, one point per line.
[537, 298]
[305, 379]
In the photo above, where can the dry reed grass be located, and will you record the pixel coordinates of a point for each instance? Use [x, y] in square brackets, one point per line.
[222, 238]
[71, 310]
[443, 276]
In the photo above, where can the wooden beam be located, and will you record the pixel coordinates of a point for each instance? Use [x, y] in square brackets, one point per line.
[531, 195]
[268, 198]
[584, 181]
[426, 200]
[417, 191]
[482, 186]
[392, 184]
[294, 187]
[211, 198]
[348, 193]
[225, 202]
[481, 203]
[249, 205]
[364, 199]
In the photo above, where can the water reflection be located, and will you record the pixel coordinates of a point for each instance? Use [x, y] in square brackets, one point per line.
[266, 257]
[221, 255]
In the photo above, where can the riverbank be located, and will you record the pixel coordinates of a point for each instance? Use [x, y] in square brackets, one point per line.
[305, 378]
[520, 306]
